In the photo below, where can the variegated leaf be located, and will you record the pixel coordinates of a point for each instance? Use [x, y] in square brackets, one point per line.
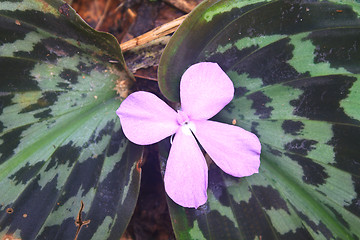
[60, 140]
[296, 70]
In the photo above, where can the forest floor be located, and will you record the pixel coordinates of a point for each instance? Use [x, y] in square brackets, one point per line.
[127, 19]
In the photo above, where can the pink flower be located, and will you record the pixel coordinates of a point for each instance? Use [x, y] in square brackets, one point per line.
[204, 90]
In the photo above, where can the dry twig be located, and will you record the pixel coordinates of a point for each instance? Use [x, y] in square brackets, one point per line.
[185, 5]
[79, 222]
[157, 32]
[102, 18]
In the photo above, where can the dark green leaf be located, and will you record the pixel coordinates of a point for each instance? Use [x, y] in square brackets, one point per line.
[60, 140]
[296, 71]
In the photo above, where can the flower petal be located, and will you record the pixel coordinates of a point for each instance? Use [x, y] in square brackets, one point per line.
[205, 89]
[235, 150]
[186, 174]
[146, 119]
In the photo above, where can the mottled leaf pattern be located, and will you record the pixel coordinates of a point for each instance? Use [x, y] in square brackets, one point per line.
[296, 70]
[60, 140]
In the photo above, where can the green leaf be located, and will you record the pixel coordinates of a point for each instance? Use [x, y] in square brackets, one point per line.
[60, 140]
[296, 71]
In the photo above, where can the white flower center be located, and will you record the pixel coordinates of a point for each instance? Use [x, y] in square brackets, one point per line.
[186, 125]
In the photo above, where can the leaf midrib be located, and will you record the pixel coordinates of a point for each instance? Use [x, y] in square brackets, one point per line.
[74, 122]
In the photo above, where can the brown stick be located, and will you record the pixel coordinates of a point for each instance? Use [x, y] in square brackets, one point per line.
[184, 5]
[102, 18]
[157, 32]
[79, 222]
